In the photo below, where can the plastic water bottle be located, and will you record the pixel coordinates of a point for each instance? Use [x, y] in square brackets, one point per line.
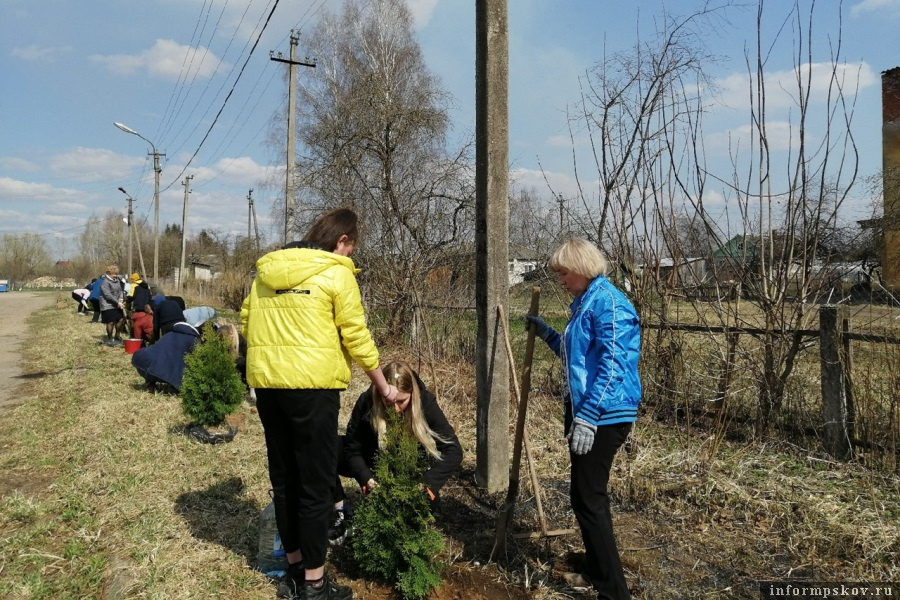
[271, 558]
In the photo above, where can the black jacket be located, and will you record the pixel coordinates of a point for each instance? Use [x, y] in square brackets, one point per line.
[361, 442]
[141, 297]
[165, 315]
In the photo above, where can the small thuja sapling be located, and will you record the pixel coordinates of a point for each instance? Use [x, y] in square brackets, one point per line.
[394, 539]
[212, 387]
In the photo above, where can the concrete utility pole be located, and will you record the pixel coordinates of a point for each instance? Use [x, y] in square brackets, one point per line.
[156, 170]
[890, 140]
[130, 270]
[292, 63]
[136, 236]
[491, 241]
[249, 212]
[251, 218]
[187, 190]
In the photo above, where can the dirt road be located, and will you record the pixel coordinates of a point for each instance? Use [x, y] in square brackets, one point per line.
[14, 310]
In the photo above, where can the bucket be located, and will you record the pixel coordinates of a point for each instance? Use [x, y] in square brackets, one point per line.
[132, 345]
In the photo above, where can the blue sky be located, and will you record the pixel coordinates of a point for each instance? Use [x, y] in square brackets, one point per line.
[163, 68]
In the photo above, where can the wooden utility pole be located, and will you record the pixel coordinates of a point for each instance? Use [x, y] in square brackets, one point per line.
[187, 190]
[491, 242]
[292, 63]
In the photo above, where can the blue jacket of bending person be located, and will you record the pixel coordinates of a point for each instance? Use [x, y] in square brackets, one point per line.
[164, 360]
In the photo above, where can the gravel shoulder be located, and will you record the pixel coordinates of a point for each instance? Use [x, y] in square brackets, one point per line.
[15, 308]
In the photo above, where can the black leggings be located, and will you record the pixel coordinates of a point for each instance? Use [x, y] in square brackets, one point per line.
[302, 446]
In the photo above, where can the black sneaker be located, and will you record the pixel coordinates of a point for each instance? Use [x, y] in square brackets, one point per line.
[291, 586]
[337, 531]
[328, 591]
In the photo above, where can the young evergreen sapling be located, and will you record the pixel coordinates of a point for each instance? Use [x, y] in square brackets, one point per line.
[212, 387]
[394, 539]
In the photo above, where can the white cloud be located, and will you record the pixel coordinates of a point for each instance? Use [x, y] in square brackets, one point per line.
[165, 60]
[15, 190]
[69, 207]
[560, 183]
[12, 163]
[245, 170]
[868, 6]
[421, 11]
[565, 141]
[738, 139]
[93, 164]
[782, 86]
[242, 170]
[40, 53]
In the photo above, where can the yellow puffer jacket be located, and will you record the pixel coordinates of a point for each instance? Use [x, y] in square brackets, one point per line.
[304, 321]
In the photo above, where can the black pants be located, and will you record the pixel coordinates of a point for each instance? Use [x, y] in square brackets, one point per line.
[95, 305]
[80, 300]
[590, 476]
[302, 446]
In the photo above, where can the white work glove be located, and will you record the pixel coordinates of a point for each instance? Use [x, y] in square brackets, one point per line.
[582, 436]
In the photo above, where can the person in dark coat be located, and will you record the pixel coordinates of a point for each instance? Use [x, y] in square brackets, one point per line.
[424, 419]
[165, 314]
[142, 315]
[163, 362]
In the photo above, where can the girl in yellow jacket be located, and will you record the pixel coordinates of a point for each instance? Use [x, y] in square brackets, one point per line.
[304, 322]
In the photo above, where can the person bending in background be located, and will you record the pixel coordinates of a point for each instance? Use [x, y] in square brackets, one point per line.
[81, 296]
[198, 315]
[166, 313]
[112, 305]
[163, 362]
[423, 419]
[600, 348]
[304, 321]
[237, 346]
[94, 298]
[142, 311]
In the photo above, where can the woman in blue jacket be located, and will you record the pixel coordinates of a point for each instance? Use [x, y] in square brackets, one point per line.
[599, 350]
[163, 362]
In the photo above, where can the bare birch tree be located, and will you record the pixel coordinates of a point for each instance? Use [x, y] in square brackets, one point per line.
[373, 124]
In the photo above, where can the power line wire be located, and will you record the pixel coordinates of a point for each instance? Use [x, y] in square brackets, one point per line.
[218, 114]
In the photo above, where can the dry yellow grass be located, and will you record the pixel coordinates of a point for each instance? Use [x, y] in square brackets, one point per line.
[102, 496]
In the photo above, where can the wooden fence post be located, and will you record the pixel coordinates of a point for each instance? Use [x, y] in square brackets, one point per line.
[835, 413]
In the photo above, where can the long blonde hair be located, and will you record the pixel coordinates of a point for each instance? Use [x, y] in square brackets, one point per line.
[401, 375]
[230, 334]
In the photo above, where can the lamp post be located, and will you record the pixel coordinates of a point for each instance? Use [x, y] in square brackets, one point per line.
[156, 170]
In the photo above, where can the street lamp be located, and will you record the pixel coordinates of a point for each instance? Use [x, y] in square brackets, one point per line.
[157, 170]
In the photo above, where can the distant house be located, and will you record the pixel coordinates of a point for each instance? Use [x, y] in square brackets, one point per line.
[521, 261]
[200, 268]
[734, 260]
[202, 271]
[681, 273]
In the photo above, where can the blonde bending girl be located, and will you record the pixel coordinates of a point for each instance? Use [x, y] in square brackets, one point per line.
[423, 418]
